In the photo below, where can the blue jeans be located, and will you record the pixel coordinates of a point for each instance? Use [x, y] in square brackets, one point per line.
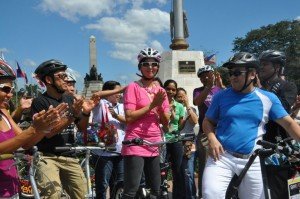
[108, 172]
[188, 169]
[174, 155]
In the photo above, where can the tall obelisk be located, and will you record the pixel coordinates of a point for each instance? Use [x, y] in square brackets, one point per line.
[179, 63]
[93, 52]
[93, 81]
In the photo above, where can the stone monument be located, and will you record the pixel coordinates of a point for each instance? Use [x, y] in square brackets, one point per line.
[179, 63]
[93, 81]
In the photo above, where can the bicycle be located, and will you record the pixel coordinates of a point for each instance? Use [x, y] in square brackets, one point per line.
[85, 163]
[164, 165]
[264, 152]
[26, 166]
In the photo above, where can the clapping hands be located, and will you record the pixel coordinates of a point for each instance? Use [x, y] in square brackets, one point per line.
[45, 121]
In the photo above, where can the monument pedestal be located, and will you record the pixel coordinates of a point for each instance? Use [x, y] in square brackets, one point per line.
[91, 87]
[182, 66]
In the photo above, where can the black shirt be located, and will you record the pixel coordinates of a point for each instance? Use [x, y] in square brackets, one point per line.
[63, 138]
[287, 93]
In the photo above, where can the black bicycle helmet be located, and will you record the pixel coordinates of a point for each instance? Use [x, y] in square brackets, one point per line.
[245, 59]
[273, 56]
[6, 71]
[48, 68]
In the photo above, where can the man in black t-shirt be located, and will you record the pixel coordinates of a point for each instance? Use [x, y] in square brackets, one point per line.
[59, 170]
[272, 67]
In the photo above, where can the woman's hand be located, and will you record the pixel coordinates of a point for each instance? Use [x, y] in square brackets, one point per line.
[44, 121]
[158, 99]
[25, 103]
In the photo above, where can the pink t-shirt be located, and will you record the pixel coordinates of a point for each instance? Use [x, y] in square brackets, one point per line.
[146, 127]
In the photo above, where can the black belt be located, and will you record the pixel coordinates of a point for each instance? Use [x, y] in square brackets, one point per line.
[239, 155]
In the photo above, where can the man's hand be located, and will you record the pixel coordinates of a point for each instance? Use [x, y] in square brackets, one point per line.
[219, 81]
[76, 108]
[44, 121]
[88, 105]
[215, 147]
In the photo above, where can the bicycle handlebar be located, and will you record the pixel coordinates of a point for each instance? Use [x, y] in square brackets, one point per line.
[62, 149]
[286, 150]
[141, 141]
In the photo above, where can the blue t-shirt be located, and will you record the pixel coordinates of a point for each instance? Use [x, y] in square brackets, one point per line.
[241, 118]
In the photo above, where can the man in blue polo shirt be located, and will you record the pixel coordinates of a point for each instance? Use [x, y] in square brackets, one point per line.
[234, 122]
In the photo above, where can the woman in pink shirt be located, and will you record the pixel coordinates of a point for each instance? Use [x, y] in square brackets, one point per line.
[146, 106]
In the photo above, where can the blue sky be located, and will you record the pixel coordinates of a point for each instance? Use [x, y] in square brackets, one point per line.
[33, 31]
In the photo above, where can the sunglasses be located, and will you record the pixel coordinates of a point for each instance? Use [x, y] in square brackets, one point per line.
[236, 73]
[6, 89]
[61, 75]
[148, 64]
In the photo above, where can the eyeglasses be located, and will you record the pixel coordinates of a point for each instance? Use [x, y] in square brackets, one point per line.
[61, 75]
[147, 64]
[6, 89]
[236, 73]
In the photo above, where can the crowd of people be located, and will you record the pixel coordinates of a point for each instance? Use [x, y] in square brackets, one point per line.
[258, 104]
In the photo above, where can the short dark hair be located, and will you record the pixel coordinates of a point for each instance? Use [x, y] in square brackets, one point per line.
[181, 89]
[110, 85]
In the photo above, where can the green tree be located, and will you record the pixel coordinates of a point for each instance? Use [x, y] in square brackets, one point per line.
[283, 36]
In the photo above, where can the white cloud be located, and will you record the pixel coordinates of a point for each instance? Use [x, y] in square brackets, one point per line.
[74, 9]
[297, 18]
[4, 50]
[133, 32]
[157, 45]
[129, 33]
[30, 63]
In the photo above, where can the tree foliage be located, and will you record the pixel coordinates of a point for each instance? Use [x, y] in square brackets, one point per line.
[283, 36]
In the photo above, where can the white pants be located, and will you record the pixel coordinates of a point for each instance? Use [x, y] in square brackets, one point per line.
[217, 176]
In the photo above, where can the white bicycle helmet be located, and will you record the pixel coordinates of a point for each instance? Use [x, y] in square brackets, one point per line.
[205, 68]
[149, 53]
[70, 77]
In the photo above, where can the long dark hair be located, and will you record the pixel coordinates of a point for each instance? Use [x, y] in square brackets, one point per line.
[170, 81]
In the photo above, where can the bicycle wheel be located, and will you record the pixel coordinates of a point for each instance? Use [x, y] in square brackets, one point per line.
[118, 190]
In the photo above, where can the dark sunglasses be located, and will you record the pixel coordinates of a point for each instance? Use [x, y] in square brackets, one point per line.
[6, 89]
[147, 64]
[236, 73]
[61, 75]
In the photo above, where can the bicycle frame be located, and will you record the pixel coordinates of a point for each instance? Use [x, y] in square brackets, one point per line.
[267, 150]
[32, 170]
[87, 149]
